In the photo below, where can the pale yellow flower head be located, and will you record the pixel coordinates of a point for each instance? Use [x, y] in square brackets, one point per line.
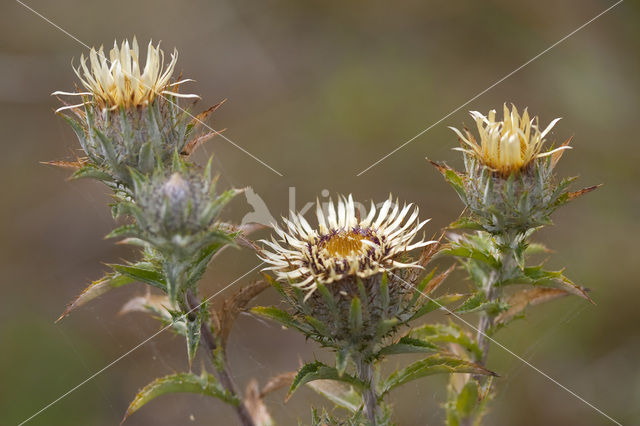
[122, 81]
[509, 145]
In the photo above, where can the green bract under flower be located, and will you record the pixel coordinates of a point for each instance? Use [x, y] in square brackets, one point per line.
[343, 246]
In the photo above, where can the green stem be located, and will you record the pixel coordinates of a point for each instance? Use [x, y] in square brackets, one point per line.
[366, 373]
[222, 369]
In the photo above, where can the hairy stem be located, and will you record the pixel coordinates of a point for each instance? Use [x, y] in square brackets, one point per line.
[486, 320]
[507, 264]
[369, 395]
[222, 369]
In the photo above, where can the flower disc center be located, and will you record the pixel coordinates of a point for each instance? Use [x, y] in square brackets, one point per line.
[344, 243]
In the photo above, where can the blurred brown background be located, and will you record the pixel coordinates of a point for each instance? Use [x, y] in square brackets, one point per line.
[319, 91]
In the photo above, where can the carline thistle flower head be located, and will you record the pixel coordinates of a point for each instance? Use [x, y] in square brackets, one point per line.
[130, 116]
[509, 145]
[343, 246]
[121, 81]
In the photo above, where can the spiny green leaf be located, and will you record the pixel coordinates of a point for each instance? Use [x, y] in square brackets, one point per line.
[466, 223]
[123, 231]
[470, 252]
[446, 333]
[282, 317]
[205, 384]
[435, 304]
[143, 272]
[317, 324]
[434, 364]
[474, 303]
[385, 326]
[537, 276]
[456, 182]
[91, 172]
[408, 345]
[317, 371]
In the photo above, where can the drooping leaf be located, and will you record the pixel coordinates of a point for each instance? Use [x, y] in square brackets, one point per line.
[519, 302]
[317, 371]
[95, 289]
[434, 364]
[538, 276]
[341, 394]
[204, 384]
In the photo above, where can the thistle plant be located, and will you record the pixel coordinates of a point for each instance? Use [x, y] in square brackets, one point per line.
[137, 140]
[355, 284]
[510, 190]
[351, 285]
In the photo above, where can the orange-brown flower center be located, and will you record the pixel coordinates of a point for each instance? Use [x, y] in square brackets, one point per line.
[344, 244]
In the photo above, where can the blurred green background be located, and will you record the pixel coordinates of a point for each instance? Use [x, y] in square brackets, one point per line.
[319, 91]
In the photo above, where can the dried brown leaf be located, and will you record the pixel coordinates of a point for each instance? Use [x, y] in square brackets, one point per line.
[576, 194]
[280, 381]
[436, 281]
[237, 303]
[442, 168]
[518, 302]
[255, 406]
[143, 303]
[556, 156]
[74, 165]
[204, 114]
[195, 143]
